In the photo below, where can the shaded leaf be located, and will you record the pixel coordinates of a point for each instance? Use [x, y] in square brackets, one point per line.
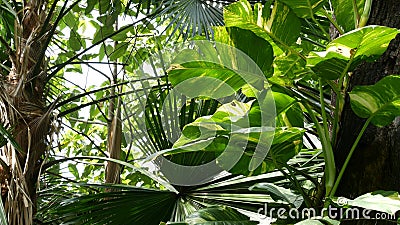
[310, 222]
[382, 201]
[304, 8]
[380, 101]
[279, 193]
[130, 206]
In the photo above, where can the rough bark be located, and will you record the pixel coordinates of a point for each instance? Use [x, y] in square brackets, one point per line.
[375, 163]
[22, 108]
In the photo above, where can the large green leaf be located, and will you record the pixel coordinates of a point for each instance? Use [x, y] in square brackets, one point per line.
[130, 206]
[323, 221]
[279, 193]
[211, 134]
[347, 51]
[203, 75]
[258, 49]
[344, 13]
[383, 201]
[286, 144]
[380, 101]
[304, 8]
[310, 222]
[288, 69]
[216, 70]
[278, 25]
[288, 111]
[218, 215]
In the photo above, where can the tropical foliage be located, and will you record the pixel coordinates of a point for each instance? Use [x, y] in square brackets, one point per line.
[97, 96]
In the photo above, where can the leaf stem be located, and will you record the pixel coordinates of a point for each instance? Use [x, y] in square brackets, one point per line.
[342, 170]
[356, 14]
[321, 27]
[365, 15]
[333, 22]
[340, 101]
[330, 168]
[323, 111]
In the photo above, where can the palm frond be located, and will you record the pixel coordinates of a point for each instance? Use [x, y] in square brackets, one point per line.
[185, 18]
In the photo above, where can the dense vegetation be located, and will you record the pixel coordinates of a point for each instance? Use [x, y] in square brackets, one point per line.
[185, 112]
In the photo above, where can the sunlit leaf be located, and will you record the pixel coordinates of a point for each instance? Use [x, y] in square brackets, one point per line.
[245, 40]
[278, 25]
[344, 13]
[366, 43]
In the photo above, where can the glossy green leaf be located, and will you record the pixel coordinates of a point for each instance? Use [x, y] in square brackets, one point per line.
[74, 41]
[218, 215]
[119, 51]
[288, 111]
[380, 101]
[246, 41]
[279, 193]
[289, 68]
[366, 43]
[6, 135]
[199, 135]
[286, 144]
[73, 170]
[304, 8]
[278, 25]
[382, 201]
[202, 75]
[344, 13]
[347, 51]
[310, 222]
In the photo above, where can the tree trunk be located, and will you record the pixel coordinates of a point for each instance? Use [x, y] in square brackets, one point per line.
[23, 109]
[114, 137]
[375, 163]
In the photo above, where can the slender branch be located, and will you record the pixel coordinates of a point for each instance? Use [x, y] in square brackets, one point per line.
[90, 139]
[94, 91]
[88, 121]
[42, 54]
[93, 45]
[333, 22]
[68, 179]
[98, 101]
